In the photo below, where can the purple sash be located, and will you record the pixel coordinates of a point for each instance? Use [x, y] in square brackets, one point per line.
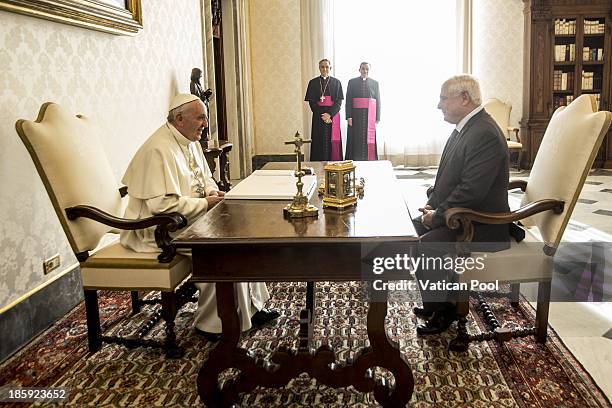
[336, 154]
[370, 105]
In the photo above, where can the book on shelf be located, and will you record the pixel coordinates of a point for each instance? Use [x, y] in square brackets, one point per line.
[565, 52]
[591, 80]
[594, 27]
[565, 27]
[562, 100]
[592, 54]
[563, 81]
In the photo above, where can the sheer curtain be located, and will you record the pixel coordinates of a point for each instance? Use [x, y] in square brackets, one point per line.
[412, 48]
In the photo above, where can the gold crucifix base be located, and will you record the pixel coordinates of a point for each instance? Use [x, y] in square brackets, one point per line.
[300, 210]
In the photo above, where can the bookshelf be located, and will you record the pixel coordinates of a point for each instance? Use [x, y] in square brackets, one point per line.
[568, 52]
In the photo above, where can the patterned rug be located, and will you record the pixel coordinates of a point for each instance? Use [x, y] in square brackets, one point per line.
[520, 373]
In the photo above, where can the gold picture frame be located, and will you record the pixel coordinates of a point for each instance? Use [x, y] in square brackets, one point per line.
[102, 15]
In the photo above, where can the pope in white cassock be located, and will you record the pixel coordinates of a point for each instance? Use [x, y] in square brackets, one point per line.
[169, 173]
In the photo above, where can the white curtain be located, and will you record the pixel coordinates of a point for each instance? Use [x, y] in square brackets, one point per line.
[317, 21]
[412, 48]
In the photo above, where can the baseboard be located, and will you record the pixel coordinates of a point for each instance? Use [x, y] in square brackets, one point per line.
[26, 319]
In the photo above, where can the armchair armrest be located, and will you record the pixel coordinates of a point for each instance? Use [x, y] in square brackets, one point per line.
[463, 217]
[165, 223]
[522, 184]
[516, 132]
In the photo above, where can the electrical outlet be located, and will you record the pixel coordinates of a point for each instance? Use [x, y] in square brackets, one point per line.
[51, 264]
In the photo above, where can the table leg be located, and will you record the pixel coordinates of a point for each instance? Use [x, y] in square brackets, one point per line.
[310, 289]
[221, 357]
[286, 364]
[384, 352]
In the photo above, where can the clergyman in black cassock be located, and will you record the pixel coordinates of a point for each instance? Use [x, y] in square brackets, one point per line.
[324, 95]
[362, 114]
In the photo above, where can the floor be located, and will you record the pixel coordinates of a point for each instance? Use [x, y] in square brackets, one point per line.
[585, 327]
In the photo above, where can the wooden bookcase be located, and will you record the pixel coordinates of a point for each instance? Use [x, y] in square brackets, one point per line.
[567, 52]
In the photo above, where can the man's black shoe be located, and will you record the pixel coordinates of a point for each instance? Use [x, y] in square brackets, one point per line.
[263, 316]
[422, 313]
[439, 323]
[212, 337]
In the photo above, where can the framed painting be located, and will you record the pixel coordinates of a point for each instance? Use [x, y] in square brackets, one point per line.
[121, 17]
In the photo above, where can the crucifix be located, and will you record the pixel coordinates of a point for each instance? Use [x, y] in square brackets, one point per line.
[300, 207]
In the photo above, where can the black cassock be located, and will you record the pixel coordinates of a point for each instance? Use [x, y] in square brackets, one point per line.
[364, 120]
[323, 148]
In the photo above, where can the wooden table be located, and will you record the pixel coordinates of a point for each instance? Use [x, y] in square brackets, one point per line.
[240, 241]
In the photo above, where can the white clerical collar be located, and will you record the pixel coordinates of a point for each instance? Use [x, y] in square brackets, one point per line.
[363, 79]
[325, 78]
[182, 140]
[467, 117]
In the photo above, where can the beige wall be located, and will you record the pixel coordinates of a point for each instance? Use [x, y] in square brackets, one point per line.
[124, 83]
[278, 91]
[498, 51]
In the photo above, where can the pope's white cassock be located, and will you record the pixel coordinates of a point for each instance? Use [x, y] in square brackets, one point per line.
[169, 173]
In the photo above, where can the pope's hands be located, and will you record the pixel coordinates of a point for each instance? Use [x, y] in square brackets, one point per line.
[214, 198]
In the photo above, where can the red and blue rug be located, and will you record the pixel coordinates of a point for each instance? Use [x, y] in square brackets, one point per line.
[519, 373]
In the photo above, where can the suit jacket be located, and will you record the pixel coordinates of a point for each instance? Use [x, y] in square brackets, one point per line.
[473, 173]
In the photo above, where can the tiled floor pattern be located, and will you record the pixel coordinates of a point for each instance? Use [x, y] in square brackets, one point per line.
[585, 327]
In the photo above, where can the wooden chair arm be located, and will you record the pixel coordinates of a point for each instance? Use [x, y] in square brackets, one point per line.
[225, 146]
[165, 223]
[463, 217]
[522, 184]
[516, 132]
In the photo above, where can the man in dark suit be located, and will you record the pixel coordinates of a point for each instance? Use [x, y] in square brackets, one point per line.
[473, 173]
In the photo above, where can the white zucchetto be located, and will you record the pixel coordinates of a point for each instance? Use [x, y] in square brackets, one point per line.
[182, 99]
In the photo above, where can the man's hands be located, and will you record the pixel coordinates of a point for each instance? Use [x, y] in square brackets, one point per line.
[428, 213]
[350, 121]
[214, 198]
[326, 117]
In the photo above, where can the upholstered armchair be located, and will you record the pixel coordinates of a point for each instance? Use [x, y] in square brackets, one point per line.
[569, 147]
[81, 185]
[500, 112]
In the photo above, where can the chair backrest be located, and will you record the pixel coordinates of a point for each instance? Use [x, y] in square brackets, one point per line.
[566, 154]
[74, 169]
[500, 112]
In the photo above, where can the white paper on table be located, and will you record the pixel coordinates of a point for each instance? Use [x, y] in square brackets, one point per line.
[271, 185]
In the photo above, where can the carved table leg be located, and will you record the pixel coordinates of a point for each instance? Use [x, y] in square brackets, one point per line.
[310, 288]
[221, 357]
[385, 353]
[286, 364]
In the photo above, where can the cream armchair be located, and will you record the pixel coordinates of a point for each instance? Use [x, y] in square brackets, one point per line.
[82, 187]
[567, 152]
[500, 112]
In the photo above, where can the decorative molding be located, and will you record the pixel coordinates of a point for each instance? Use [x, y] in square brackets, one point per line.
[92, 14]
